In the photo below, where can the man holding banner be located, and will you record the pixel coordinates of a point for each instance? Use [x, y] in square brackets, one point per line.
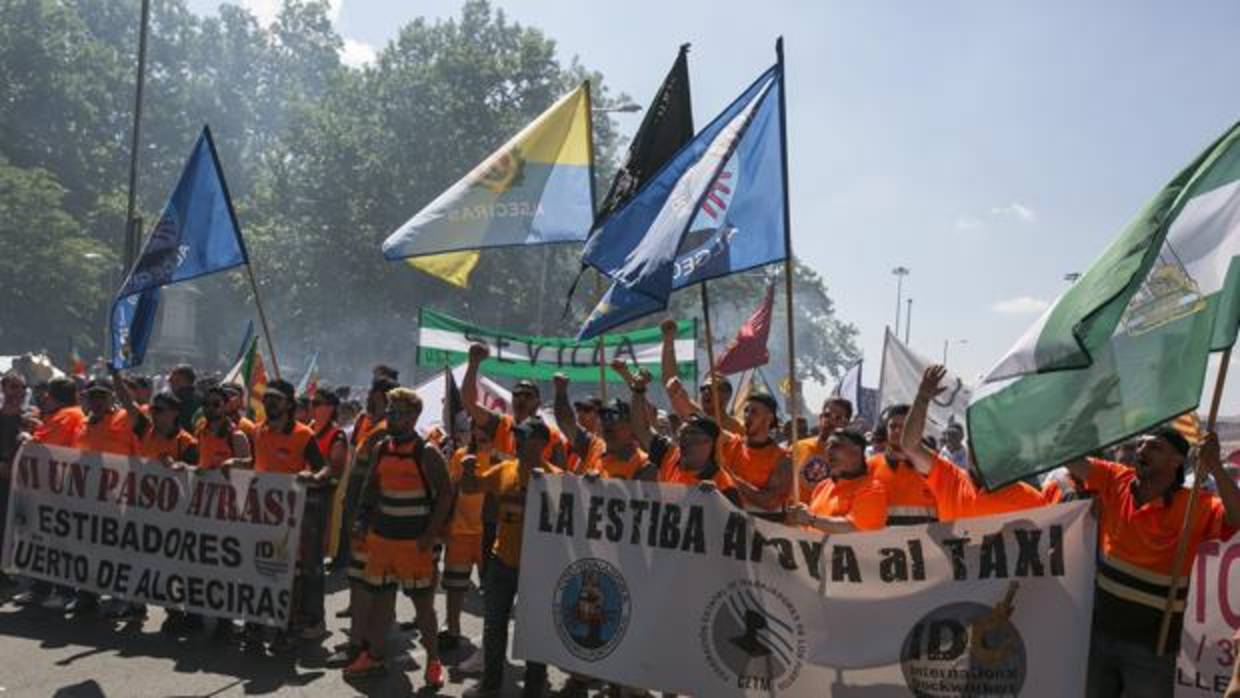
[1142, 510]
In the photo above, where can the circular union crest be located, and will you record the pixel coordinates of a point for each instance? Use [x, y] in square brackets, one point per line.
[591, 608]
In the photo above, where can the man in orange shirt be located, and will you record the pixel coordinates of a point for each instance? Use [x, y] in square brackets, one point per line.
[404, 508]
[108, 428]
[508, 481]
[850, 499]
[219, 438]
[61, 422]
[809, 455]
[1141, 516]
[714, 387]
[621, 457]
[958, 494]
[526, 401]
[464, 540]
[909, 499]
[284, 445]
[760, 467]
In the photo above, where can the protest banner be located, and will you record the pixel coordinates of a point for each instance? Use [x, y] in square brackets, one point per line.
[671, 588]
[136, 530]
[1209, 645]
[444, 341]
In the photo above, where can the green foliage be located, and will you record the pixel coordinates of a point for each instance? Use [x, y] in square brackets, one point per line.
[323, 162]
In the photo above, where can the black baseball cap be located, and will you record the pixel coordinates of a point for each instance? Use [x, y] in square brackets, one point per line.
[704, 424]
[526, 386]
[764, 399]
[99, 385]
[616, 410]
[282, 388]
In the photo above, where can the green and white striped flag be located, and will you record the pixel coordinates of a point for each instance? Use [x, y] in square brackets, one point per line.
[444, 341]
[1126, 347]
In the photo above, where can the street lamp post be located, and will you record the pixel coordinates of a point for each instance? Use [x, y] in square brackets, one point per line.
[908, 321]
[900, 273]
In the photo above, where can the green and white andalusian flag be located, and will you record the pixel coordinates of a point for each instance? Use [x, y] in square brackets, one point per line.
[1126, 347]
[444, 341]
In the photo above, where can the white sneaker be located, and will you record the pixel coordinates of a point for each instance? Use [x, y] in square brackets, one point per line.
[55, 602]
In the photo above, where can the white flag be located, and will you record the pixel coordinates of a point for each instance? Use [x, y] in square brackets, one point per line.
[901, 375]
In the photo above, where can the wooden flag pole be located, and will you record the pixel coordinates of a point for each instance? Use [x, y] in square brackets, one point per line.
[794, 386]
[262, 318]
[1181, 548]
[602, 345]
[715, 409]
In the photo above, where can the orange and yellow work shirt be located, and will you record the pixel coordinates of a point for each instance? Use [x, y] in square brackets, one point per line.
[61, 427]
[594, 447]
[508, 482]
[214, 449]
[909, 499]
[615, 467]
[113, 433]
[862, 500]
[247, 426]
[958, 497]
[467, 514]
[809, 460]
[180, 447]
[506, 440]
[754, 465]
[672, 471]
[288, 451]
[1137, 544]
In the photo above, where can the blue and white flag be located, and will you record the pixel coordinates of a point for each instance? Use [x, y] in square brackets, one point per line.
[716, 208]
[197, 234]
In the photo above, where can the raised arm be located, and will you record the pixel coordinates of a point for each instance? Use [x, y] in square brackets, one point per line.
[469, 388]
[915, 423]
[1227, 492]
[668, 357]
[565, 417]
[640, 414]
[123, 395]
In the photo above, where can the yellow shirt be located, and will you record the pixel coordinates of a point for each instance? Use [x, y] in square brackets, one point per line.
[508, 483]
[467, 515]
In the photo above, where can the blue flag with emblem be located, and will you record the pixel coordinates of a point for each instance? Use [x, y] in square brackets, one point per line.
[716, 208]
[197, 234]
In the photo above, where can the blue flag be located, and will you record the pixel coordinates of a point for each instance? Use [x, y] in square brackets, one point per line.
[716, 208]
[197, 234]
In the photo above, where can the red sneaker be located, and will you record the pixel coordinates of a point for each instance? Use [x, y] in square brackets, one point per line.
[364, 665]
[434, 673]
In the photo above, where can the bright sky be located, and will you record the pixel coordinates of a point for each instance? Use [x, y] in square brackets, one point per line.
[988, 147]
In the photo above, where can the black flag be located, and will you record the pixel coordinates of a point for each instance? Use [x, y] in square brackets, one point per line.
[667, 126]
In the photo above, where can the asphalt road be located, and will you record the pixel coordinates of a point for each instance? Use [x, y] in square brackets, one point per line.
[48, 654]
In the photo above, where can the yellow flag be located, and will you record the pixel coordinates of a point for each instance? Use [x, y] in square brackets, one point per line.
[452, 267]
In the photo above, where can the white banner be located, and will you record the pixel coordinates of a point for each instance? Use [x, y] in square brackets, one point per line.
[670, 588]
[136, 530]
[1208, 646]
[901, 376]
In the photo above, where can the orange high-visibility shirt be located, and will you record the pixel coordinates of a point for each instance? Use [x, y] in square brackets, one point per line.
[467, 515]
[754, 465]
[506, 441]
[1137, 550]
[508, 482]
[156, 446]
[612, 466]
[958, 497]
[862, 500]
[909, 499]
[283, 451]
[61, 427]
[113, 433]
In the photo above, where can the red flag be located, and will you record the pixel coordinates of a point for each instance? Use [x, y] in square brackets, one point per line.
[748, 349]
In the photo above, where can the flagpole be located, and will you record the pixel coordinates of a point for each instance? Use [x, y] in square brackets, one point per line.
[131, 225]
[598, 276]
[262, 318]
[1181, 547]
[794, 392]
[715, 409]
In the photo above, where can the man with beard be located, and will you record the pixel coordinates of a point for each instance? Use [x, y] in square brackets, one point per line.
[714, 387]
[958, 494]
[809, 455]
[1141, 516]
[404, 508]
[283, 445]
[219, 438]
[526, 401]
[850, 499]
[760, 467]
